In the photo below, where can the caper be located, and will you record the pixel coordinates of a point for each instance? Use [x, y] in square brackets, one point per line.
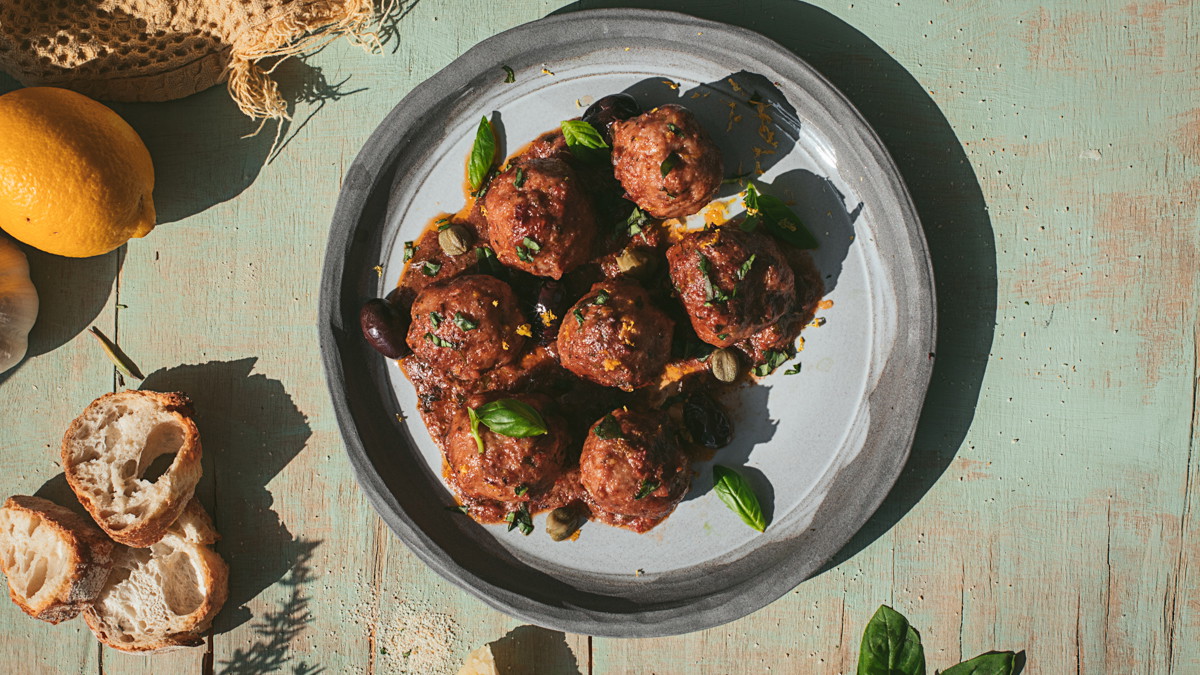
[455, 240]
[724, 365]
[636, 262]
[563, 522]
[384, 326]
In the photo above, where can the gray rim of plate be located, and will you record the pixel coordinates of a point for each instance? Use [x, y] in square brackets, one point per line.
[360, 391]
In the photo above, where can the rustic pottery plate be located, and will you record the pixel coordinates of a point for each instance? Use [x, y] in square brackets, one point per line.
[822, 448]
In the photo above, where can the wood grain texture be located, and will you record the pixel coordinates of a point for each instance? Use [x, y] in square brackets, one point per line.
[1052, 150]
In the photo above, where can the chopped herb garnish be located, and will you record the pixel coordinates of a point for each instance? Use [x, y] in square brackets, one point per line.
[483, 154]
[463, 322]
[430, 268]
[608, 428]
[459, 508]
[722, 336]
[409, 250]
[519, 519]
[521, 490]
[523, 254]
[532, 245]
[601, 298]
[578, 316]
[794, 370]
[519, 178]
[443, 223]
[634, 224]
[712, 293]
[745, 268]
[674, 129]
[435, 319]
[647, 487]
[509, 75]
[440, 341]
[669, 163]
[774, 359]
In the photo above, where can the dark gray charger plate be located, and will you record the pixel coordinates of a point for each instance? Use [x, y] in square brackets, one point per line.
[813, 520]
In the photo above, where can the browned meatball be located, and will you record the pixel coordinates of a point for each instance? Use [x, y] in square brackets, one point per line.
[539, 218]
[666, 162]
[732, 283]
[509, 469]
[632, 465]
[615, 336]
[467, 325]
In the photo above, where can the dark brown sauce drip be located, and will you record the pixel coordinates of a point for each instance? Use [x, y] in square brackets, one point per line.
[580, 402]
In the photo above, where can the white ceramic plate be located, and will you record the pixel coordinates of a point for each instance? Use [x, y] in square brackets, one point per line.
[821, 448]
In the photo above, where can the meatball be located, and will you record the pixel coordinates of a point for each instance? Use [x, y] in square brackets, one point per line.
[539, 218]
[509, 469]
[615, 336]
[467, 325]
[632, 465]
[732, 283]
[666, 162]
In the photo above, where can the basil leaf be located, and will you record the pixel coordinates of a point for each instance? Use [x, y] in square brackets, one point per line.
[669, 163]
[459, 508]
[794, 370]
[471, 415]
[463, 322]
[991, 663]
[774, 359]
[430, 268]
[520, 519]
[608, 429]
[483, 153]
[443, 223]
[648, 486]
[409, 250]
[440, 341]
[601, 298]
[890, 646]
[733, 489]
[512, 418]
[634, 224]
[578, 316]
[778, 219]
[674, 129]
[745, 268]
[435, 319]
[509, 75]
[532, 245]
[523, 254]
[521, 490]
[585, 142]
[519, 178]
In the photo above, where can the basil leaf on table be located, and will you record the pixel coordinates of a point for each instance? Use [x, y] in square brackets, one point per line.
[584, 141]
[483, 154]
[735, 491]
[776, 217]
[991, 663]
[890, 646]
[512, 418]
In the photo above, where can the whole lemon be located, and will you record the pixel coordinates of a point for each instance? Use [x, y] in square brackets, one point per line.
[75, 178]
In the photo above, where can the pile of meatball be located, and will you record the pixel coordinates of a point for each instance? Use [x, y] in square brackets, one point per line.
[541, 218]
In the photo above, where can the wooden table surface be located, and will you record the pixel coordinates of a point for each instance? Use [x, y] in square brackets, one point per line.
[1052, 150]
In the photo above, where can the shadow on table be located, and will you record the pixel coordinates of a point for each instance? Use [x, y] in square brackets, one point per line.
[250, 430]
[530, 649]
[947, 196]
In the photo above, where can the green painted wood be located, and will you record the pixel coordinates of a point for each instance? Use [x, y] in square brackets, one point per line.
[1052, 150]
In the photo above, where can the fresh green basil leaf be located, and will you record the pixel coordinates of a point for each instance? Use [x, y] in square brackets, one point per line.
[735, 491]
[634, 224]
[483, 154]
[578, 316]
[519, 178]
[991, 663]
[794, 370]
[520, 519]
[601, 298]
[440, 341]
[474, 418]
[443, 223]
[585, 142]
[745, 268]
[523, 254]
[774, 359]
[435, 319]
[430, 268]
[674, 129]
[521, 490]
[464, 323]
[532, 245]
[779, 220]
[669, 163]
[459, 508]
[512, 418]
[648, 486]
[608, 428]
[890, 646]
[409, 250]
[509, 75]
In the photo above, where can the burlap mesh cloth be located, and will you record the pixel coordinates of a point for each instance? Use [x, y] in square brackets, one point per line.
[157, 50]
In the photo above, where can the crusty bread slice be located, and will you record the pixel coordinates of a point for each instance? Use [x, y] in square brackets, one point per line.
[56, 561]
[108, 449]
[163, 597]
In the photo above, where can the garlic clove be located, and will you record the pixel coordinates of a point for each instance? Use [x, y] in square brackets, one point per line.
[18, 304]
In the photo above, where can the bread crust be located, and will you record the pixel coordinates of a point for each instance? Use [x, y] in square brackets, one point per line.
[186, 469]
[91, 560]
[196, 534]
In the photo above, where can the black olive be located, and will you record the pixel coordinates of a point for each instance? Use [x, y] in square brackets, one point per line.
[385, 327]
[706, 421]
[548, 311]
[609, 109]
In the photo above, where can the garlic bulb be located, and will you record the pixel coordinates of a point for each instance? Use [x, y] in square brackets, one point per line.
[18, 304]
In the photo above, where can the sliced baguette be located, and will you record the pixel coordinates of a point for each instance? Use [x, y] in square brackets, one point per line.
[107, 450]
[163, 597]
[56, 561]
